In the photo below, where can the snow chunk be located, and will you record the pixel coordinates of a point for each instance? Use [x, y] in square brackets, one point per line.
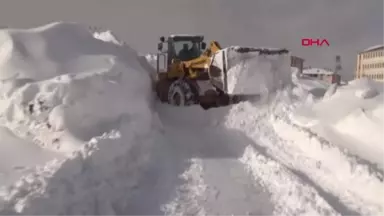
[366, 93]
[331, 90]
[107, 36]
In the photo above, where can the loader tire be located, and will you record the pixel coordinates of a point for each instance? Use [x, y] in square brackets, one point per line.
[182, 93]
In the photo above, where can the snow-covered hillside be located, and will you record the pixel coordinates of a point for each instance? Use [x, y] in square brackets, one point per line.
[83, 134]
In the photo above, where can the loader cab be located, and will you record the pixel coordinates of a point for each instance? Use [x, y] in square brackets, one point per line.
[181, 47]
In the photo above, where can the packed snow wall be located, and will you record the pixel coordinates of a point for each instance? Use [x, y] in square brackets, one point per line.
[64, 78]
[86, 96]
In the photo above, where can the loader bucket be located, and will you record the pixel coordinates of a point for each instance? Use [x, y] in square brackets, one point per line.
[218, 71]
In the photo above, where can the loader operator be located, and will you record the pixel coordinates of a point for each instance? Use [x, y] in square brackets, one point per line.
[186, 54]
[194, 51]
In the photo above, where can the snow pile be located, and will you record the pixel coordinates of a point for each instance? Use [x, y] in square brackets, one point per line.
[354, 112]
[77, 87]
[151, 59]
[308, 161]
[63, 88]
[290, 194]
[309, 88]
[366, 88]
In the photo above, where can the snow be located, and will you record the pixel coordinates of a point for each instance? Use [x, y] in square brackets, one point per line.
[317, 71]
[344, 113]
[63, 97]
[309, 86]
[83, 134]
[18, 157]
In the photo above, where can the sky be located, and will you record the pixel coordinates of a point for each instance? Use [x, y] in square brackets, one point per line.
[348, 25]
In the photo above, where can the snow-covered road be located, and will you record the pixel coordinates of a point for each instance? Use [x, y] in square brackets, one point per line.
[214, 180]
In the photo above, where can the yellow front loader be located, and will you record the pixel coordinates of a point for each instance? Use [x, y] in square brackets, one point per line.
[186, 73]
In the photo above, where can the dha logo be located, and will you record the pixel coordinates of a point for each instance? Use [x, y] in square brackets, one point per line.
[311, 42]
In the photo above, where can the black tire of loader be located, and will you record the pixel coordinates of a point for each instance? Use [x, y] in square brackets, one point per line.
[188, 92]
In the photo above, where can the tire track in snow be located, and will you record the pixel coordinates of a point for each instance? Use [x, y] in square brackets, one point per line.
[189, 196]
[373, 169]
[215, 182]
[351, 182]
[363, 181]
[331, 181]
[221, 177]
[291, 195]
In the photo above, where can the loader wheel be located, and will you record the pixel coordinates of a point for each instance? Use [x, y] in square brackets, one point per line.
[181, 93]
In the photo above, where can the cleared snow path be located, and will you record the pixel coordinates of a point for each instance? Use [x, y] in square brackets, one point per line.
[196, 172]
[204, 168]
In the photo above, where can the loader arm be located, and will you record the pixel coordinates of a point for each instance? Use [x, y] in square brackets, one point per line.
[197, 68]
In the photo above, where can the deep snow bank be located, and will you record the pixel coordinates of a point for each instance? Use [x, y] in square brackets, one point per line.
[64, 86]
[64, 79]
[354, 111]
[271, 161]
[330, 174]
[269, 75]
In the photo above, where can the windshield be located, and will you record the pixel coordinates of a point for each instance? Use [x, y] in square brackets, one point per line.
[187, 50]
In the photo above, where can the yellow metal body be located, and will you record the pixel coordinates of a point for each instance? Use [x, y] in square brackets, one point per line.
[195, 68]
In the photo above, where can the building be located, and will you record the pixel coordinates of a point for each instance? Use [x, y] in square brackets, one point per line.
[370, 63]
[324, 74]
[297, 63]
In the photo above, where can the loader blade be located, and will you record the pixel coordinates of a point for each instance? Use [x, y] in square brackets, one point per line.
[238, 98]
[227, 100]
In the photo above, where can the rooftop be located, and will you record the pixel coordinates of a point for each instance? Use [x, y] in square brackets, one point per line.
[185, 35]
[318, 71]
[372, 48]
